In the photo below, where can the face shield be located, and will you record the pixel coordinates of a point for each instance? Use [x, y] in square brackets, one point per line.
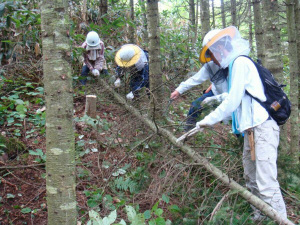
[226, 45]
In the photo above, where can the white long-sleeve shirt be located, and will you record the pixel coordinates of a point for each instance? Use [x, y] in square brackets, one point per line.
[200, 77]
[249, 113]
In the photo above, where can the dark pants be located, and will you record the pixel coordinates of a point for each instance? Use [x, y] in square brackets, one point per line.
[84, 73]
[195, 109]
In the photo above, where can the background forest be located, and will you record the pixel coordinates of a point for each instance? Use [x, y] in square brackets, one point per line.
[123, 165]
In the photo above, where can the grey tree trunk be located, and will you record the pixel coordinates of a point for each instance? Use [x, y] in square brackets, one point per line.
[192, 20]
[103, 9]
[205, 17]
[155, 73]
[60, 143]
[223, 14]
[131, 30]
[258, 25]
[250, 25]
[294, 78]
[273, 52]
[297, 18]
[145, 30]
[213, 14]
[233, 13]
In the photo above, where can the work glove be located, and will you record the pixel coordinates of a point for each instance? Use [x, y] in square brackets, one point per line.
[218, 98]
[95, 72]
[118, 83]
[130, 96]
[200, 124]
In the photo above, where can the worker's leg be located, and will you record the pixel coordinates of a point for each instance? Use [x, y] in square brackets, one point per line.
[195, 111]
[84, 73]
[266, 144]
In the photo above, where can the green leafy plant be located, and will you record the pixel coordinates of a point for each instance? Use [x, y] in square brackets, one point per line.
[41, 157]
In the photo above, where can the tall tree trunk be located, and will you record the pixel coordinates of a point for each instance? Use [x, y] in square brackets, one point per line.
[84, 10]
[213, 14]
[131, 28]
[192, 20]
[205, 17]
[273, 52]
[145, 26]
[103, 9]
[155, 73]
[60, 143]
[233, 13]
[250, 25]
[223, 14]
[294, 78]
[258, 25]
[297, 18]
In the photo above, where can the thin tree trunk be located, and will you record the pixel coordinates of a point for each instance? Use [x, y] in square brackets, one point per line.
[84, 10]
[205, 17]
[233, 13]
[60, 143]
[192, 20]
[223, 14]
[103, 9]
[250, 25]
[155, 73]
[201, 161]
[130, 28]
[297, 18]
[258, 25]
[145, 26]
[213, 14]
[294, 78]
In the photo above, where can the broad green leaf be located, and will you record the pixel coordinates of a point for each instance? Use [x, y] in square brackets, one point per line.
[165, 198]
[92, 203]
[159, 212]
[131, 213]
[10, 196]
[160, 221]
[111, 218]
[26, 210]
[147, 214]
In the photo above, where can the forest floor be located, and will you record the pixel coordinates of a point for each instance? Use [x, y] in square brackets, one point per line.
[99, 154]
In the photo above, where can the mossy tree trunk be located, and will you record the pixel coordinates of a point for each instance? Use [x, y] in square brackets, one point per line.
[250, 25]
[259, 35]
[130, 28]
[233, 13]
[204, 17]
[60, 145]
[155, 73]
[103, 9]
[223, 14]
[294, 78]
[145, 26]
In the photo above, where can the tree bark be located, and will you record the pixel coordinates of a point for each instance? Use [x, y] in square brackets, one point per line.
[60, 143]
[294, 78]
[130, 28]
[103, 9]
[260, 46]
[192, 20]
[223, 14]
[205, 17]
[250, 25]
[145, 26]
[155, 73]
[233, 13]
[248, 196]
[213, 14]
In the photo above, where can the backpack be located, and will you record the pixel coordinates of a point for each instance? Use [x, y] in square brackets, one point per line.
[277, 104]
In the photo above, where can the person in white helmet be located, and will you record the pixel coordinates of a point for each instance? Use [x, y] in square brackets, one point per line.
[226, 49]
[134, 60]
[210, 71]
[94, 60]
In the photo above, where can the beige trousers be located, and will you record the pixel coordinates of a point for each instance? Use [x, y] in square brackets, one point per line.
[261, 174]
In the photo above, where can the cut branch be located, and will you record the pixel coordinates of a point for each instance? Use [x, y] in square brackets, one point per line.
[233, 185]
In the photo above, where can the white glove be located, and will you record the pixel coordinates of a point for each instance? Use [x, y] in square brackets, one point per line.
[130, 96]
[200, 124]
[218, 98]
[95, 72]
[117, 83]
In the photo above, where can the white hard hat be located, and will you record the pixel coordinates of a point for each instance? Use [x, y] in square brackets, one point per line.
[209, 36]
[92, 39]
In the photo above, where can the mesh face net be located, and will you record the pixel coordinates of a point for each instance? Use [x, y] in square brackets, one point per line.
[228, 47]
[219, 76]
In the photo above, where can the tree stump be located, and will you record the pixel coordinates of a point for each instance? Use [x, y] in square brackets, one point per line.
[90, 105]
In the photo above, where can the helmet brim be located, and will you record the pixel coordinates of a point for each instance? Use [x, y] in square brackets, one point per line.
[229, 31]
[132, 61]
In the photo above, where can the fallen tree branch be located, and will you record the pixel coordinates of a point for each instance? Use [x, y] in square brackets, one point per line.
[243, 192]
